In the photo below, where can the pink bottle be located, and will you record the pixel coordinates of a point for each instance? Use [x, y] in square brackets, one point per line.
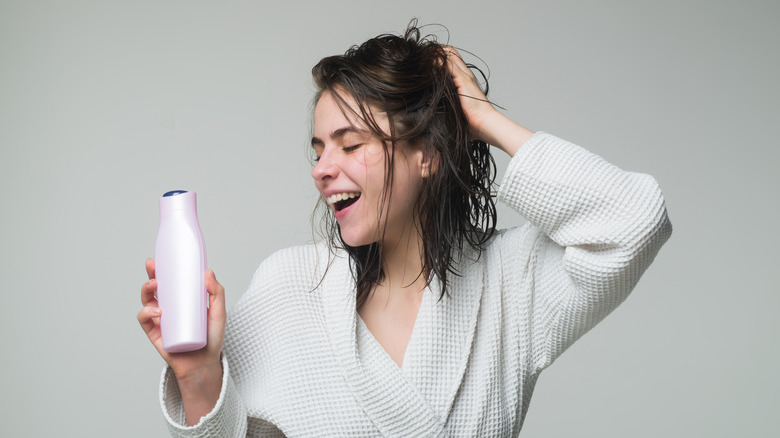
[180, 266]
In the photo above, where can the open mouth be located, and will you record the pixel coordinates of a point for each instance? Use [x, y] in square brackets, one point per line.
[341, 201]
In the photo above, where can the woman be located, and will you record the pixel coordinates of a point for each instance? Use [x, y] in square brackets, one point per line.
[416, 317]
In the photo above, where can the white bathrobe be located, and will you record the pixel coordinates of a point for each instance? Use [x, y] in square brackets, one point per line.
[299, 362]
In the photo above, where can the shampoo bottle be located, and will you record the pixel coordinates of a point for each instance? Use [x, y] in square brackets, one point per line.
[180, 266]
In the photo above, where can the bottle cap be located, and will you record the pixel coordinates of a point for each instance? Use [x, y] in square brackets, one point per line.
[174, 193]
[178, 200]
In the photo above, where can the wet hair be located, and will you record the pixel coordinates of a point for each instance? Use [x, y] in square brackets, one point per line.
[407, 78]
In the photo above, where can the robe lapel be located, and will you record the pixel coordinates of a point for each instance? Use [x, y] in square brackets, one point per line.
[386, 396]
[438, 353]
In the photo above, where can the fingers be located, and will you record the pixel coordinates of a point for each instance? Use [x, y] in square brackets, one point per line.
[451, 51]
[148, 291]
[216, 296]
[150, 268]
[464, 79]
[455, 63]
[217, 315]
[452, 55]
[212, 285]
[148, 317]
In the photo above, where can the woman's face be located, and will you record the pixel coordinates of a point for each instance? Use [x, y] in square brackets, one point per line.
[350, 175]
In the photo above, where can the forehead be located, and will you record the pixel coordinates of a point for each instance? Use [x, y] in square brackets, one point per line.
[330, 114]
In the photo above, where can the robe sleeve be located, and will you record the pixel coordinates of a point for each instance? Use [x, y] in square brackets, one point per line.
[594, 230]
[228, 418]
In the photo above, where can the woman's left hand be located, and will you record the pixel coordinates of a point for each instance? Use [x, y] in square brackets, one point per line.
[485, 122]
[474, 102]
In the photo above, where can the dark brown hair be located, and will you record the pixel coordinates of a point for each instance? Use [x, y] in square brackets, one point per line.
[407, 78]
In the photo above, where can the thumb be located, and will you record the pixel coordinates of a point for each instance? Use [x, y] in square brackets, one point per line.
[216, 295]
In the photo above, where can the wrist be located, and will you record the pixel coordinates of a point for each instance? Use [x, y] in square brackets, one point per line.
[501, 132]
[480, 125]
[200, 389]
[200, 379]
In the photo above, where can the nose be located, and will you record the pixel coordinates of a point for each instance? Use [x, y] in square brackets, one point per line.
[326, 167]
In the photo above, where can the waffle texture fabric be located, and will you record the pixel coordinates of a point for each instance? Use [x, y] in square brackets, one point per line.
[298, 361]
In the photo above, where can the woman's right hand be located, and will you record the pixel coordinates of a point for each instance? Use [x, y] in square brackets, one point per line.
[199, 373]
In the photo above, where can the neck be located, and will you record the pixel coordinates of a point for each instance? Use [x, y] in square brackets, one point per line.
[402, 263]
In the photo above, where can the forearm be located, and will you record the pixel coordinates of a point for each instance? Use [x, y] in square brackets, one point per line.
[224, 418]
[498, 130]
[200, 391]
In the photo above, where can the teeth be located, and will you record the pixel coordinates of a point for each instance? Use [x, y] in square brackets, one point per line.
[332, 199]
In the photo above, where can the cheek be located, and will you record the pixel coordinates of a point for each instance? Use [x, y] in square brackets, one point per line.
[407, 182]
[372, 157]
[372, 165]
[409, 188]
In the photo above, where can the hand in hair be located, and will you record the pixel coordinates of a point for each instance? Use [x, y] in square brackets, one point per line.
[472, 98]
[485, 122]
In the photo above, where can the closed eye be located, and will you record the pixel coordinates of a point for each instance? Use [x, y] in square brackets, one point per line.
[346, 149]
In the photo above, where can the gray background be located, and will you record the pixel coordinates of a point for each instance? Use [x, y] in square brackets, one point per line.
[105, 105]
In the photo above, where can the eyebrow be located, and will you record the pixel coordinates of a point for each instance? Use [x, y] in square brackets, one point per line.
[338, 133]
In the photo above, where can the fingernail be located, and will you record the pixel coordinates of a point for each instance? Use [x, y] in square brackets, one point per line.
[156, 311]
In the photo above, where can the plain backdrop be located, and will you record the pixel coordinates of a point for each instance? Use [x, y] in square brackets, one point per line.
[105, 105]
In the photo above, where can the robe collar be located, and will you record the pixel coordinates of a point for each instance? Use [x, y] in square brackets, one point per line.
[414, 400]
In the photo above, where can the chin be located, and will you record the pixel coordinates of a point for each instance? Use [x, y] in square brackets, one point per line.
[354, 239]
[353, 242]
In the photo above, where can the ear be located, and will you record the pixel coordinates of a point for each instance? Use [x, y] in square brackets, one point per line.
[427, 163]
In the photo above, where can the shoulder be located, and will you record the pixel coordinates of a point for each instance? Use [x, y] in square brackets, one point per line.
[285, 281]
[506, 250]
[284, 278]
[287, 261]
[280, 312]
[511, 241]
[293, 268]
